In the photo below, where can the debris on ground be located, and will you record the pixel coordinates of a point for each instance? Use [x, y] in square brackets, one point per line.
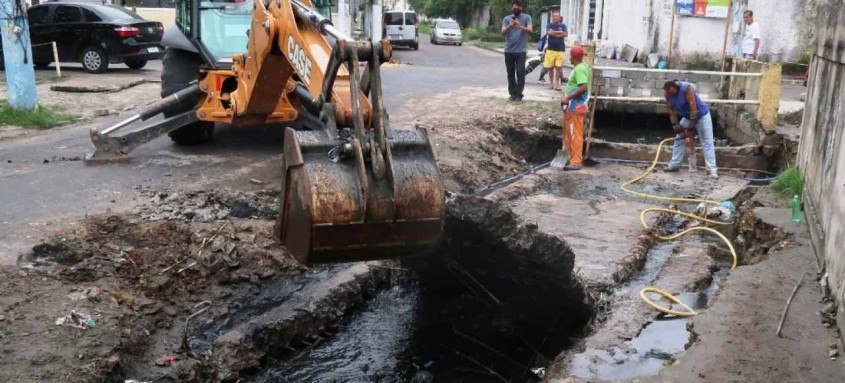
[77, 320]
[209, 206]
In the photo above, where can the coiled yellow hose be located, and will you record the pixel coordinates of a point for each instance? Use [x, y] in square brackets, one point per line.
[690, 311]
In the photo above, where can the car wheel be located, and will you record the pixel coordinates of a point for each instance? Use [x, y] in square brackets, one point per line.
[460, 44]
[42, 65]
[179, 68]
[94, 60]
[416, 46]
[136, 64]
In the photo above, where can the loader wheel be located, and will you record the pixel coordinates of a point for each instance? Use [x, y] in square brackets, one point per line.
[179, 68]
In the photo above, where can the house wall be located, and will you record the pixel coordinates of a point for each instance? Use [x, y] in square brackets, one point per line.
[647, 25]
[821, 154]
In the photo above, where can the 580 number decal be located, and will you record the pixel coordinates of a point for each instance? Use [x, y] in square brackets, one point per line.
[300, 60]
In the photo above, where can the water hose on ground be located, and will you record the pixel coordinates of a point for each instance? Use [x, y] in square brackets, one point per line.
[643, 292]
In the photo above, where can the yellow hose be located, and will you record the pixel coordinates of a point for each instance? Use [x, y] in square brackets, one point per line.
[690, 311]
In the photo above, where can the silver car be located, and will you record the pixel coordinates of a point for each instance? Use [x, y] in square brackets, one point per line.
[446, 32]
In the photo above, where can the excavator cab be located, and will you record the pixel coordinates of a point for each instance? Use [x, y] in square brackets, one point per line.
[353, 188]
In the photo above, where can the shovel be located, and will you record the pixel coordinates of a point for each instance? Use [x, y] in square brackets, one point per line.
[562, 156]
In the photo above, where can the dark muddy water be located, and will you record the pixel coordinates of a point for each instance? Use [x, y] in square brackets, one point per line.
[373, 346]
[641, 128]
[397, 337]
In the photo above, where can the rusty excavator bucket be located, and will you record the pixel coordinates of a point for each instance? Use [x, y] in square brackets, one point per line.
[340, 211]
[360, 194]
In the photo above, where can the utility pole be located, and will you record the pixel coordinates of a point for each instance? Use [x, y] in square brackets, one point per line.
[377, 16]
[344, 17]
[17, 55]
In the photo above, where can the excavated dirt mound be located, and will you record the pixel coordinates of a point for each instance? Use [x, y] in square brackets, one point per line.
[207, 206]
[138, 281]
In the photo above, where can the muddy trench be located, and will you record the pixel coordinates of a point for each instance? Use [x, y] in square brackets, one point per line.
[499, 301]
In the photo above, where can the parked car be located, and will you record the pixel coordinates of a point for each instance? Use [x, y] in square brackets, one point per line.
[400, 28]
[94, 35]
[446, 32]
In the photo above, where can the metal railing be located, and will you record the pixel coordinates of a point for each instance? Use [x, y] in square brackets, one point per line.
[648, 99]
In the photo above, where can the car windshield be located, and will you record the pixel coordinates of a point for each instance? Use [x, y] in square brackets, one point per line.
[448, 25]
[224, 26]
[110, 12]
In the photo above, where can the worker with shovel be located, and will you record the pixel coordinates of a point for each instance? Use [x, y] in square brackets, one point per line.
[683, 101]
[574, 106]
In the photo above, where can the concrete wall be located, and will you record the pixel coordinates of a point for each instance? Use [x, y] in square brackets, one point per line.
[647, 25]
[626, 22]
[821, 154]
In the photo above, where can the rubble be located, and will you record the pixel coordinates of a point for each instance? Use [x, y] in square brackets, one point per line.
[209, 206]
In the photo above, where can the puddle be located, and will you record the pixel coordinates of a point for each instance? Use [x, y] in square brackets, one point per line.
[644, 355]
[659, 341]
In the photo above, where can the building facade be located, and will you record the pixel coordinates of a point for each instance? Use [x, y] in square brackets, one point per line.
[657, 26]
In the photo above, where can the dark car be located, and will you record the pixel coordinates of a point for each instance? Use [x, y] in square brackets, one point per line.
[94, 35]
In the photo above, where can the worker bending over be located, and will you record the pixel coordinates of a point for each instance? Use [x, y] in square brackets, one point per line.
[574, 106]
[683, 101]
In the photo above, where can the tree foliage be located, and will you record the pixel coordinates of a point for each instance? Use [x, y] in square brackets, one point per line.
[462, 10]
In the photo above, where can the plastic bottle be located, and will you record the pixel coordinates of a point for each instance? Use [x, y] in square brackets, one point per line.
[796, 209]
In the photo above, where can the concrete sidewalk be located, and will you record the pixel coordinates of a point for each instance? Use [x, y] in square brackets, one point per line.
[737, 340]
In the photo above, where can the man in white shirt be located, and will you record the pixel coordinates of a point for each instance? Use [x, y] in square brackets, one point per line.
[751, 40]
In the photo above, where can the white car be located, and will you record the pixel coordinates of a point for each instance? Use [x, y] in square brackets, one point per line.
[400, 28]
[446, 32]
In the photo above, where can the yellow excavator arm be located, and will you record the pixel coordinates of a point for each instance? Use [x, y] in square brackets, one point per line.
[288, 45]
[354, 189]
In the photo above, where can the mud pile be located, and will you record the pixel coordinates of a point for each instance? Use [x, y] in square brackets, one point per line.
[209, 205]
[142, 281]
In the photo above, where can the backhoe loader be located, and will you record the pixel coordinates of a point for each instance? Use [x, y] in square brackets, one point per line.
[352, 187]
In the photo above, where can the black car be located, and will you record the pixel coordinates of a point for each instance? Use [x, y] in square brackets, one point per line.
[94, 35]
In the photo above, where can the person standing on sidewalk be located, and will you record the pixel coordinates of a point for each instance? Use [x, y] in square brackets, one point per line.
[574, 105]
[516, 28]
[751, 39]
[555, 51]
[683, 101]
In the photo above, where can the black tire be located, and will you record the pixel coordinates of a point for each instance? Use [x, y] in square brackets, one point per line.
[179, 68]
[460, 44]
[416, 46]
[42, 65]
[135, 64]
[94, 60]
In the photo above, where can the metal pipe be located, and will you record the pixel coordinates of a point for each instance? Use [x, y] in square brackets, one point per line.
[121, 125]
[672, 28]
[319, 21]
[661, 99]
[727, 32]
[678, 71]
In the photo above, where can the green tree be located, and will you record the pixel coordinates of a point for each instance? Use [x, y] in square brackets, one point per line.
[418, 5]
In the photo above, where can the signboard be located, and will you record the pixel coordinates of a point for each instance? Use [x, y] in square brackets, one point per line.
[704, 8]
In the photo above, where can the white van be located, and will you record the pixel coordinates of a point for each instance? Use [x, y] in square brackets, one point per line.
[400, 28]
